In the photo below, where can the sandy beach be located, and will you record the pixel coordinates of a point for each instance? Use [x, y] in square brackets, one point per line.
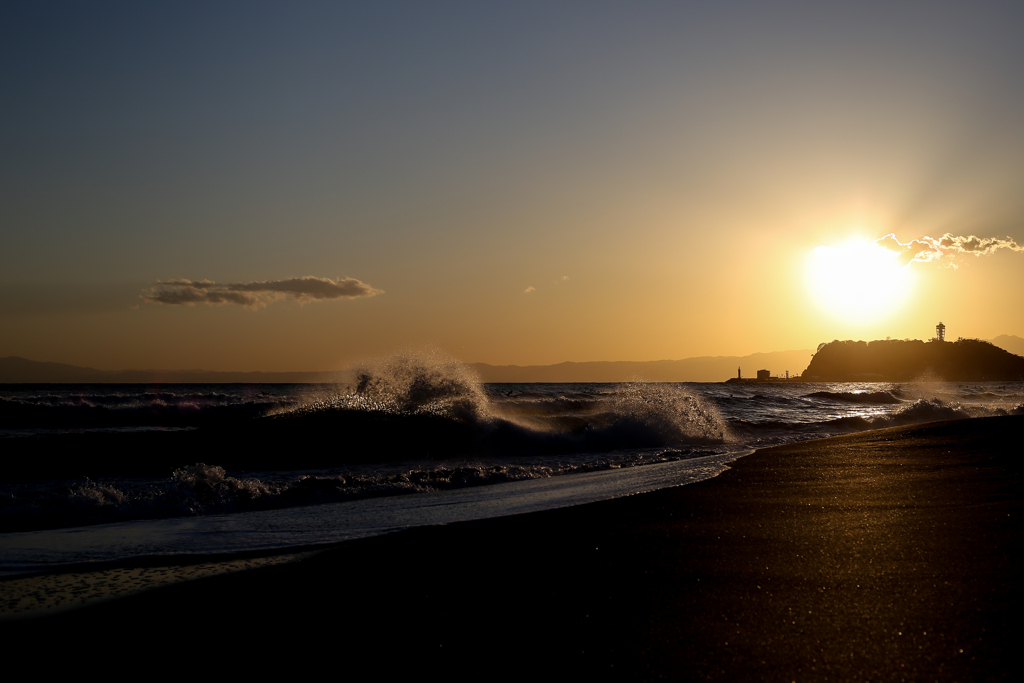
[886, 555]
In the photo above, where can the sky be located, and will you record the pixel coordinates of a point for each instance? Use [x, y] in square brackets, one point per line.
[297, 186]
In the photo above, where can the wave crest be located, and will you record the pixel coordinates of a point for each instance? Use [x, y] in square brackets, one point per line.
[671, 411]
[423, 382]
[210, 486]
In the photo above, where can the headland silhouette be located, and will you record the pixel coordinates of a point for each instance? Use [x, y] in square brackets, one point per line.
[894, 360]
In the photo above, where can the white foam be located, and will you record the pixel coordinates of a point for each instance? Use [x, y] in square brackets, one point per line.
[337, 522]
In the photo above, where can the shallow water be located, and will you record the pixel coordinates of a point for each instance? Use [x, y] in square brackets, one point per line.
[410, 425]
[335, 522]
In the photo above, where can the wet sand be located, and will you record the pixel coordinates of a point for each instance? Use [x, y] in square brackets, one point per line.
[888, 555]
[46, 593]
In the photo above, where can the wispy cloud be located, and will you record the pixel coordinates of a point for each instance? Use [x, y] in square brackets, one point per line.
[559, 281]
[928, 249]
[256, 294]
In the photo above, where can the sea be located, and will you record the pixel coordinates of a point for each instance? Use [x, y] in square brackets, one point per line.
[97, 473]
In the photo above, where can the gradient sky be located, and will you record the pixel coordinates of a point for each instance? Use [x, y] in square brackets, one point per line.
[510, 182]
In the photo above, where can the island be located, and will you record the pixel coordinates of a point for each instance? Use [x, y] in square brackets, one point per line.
[895, 360]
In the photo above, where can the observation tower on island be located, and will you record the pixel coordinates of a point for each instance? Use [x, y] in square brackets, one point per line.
[940, 332]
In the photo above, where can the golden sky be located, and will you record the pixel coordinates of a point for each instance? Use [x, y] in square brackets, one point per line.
[241, 186]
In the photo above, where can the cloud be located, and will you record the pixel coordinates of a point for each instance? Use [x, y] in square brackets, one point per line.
[928, 249]
[559, 281]
[256, 294]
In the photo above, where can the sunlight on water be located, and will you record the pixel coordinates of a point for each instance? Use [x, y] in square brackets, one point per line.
[416, 422]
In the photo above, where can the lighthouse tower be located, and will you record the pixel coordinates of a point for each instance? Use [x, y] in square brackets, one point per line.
[940, 332]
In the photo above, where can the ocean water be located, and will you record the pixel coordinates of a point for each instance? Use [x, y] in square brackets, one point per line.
[103, 472]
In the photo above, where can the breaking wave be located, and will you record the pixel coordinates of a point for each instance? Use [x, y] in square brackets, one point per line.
[417, 421]
[918, 412]
[766, 432]
[429, 404]
[670, 411]
[208, 489]
[423, 382]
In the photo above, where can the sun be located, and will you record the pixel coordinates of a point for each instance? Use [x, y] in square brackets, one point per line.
[859, 281]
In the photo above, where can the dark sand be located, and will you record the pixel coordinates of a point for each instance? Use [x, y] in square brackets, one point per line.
[889, 555]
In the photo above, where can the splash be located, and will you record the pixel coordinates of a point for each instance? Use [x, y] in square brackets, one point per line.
[671, 411]
[208, 486]
[92, 494]
[423, 382]
[419, 382]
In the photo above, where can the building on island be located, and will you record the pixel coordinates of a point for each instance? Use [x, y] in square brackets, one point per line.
[764, 374]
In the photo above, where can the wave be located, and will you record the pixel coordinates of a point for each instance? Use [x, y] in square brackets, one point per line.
[418, 421]
[412, 406]
[543, 407]
[190, 490]
[918, 412]
[423, 382]
[429, 405]
[202, 489]
[575, 390]
[77, 412]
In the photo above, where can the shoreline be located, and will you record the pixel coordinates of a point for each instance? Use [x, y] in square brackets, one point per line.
[883, 554]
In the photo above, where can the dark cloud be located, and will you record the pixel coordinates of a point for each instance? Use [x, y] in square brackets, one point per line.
[256, 294]
[927, 249]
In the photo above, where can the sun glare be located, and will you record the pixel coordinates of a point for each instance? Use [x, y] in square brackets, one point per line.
[858, 280]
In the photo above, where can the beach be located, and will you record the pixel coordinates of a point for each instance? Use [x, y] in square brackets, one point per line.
[497, 340]
[885, 555]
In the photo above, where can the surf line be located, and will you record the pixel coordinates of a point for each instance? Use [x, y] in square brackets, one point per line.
[331, 523]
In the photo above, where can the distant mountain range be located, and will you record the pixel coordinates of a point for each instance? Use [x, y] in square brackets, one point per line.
[24, 371]
[701, 369]
[705, 369]
[1010, 343]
